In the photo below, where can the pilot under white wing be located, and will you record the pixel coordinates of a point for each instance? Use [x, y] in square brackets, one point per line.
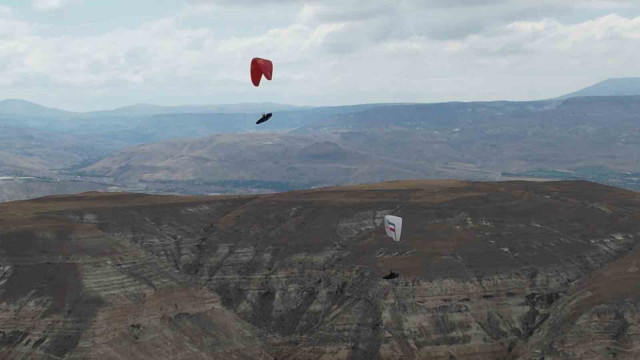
[393, 226]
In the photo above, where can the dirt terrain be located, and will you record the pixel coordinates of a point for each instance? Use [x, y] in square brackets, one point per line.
[510, 270]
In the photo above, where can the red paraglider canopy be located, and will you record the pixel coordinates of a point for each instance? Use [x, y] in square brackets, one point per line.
[260, 67]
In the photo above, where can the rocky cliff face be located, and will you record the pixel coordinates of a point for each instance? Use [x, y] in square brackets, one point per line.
[487, 270]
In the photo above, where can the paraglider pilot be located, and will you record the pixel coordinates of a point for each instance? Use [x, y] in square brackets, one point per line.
[264, 118]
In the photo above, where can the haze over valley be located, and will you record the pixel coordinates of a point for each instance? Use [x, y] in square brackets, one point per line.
[219, 149]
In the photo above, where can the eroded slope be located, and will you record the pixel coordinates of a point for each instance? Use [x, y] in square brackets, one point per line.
[488, 270]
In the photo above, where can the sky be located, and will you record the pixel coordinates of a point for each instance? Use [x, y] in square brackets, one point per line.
[85, 55]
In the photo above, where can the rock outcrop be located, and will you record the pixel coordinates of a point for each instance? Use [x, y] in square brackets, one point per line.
[511, 270]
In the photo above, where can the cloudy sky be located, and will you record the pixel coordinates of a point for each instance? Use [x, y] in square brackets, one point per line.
[97, 54]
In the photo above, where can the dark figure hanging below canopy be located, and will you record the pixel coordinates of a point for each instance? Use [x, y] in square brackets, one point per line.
[264, 118]
[391, 275]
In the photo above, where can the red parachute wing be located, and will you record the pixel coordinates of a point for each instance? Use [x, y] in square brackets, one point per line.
[260, 67]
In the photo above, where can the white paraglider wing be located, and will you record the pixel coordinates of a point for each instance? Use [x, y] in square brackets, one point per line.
[393, 226]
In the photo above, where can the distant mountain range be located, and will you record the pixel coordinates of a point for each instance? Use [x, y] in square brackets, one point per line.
[599, 135]
[218, 148]
[610, 87]
[150, 109]
[17, 107]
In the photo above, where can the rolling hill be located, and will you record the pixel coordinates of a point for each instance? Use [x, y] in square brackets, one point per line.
[290, 160]
[591, 137]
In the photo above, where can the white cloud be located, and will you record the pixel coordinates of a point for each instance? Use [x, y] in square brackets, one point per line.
[52, 5]
[322, 55]
[5, 11]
